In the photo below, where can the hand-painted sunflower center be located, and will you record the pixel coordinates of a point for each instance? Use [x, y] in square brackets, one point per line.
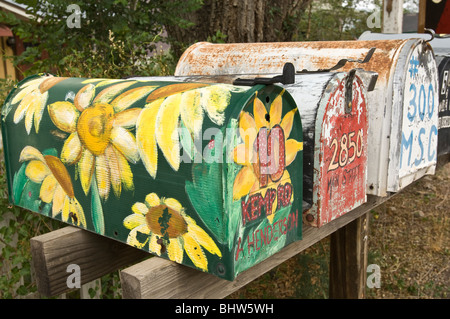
[165, 221]
[94, 127]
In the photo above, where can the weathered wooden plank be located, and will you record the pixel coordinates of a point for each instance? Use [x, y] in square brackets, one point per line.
[159, 279]
[96, 256]
[348, 260]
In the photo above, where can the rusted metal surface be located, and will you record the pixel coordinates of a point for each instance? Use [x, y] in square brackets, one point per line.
[340, 152]
[387, 106]
[241, 58]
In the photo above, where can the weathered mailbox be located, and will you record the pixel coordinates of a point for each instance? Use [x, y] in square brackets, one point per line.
[207, 175]
[441, 48]
[402, 108]
[333, 111]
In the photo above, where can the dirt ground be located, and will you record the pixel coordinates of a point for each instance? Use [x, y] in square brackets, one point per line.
[409, 240]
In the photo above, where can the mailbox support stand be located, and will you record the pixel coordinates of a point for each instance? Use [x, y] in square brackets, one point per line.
[160, 278]
[348, 260]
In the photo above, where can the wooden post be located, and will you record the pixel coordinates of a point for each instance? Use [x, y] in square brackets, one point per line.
[422, 14]
[96, 256]
[348, 260]
[392, 16]
[157, 278]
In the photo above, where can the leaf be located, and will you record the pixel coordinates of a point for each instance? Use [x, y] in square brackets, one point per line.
[96, 208]
[19, 182]
[206, 198]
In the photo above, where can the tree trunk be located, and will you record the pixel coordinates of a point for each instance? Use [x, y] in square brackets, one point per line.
[240, 21]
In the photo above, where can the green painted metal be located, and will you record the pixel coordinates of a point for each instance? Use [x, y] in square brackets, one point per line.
[207, 175]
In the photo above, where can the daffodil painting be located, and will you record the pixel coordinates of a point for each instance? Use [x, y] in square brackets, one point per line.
[204, 174]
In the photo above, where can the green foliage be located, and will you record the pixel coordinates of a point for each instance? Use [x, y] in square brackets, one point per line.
[113, 38]
[17, 226]
[329, 20]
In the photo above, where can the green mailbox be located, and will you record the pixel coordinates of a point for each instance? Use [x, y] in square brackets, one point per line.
[207, 175]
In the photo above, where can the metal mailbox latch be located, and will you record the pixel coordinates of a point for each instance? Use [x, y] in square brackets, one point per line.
[288, 77]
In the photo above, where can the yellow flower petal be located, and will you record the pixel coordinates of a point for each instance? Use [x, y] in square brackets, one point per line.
[260, 114]
[287, 122]
[125, 100]
[172, 89]
[125, 142]
[37, 171]
[127, 118]
[203, 239]
[215, 99]
[77, 213]
[86, 166]
[64, 115]
[61, 174]
[139, 208]
[48, 188]
[242, 155]
[292, 148]
[247, 129]
[66, 209]
[152, 200]
[175, 250]
[39, 110]
[71, 151]
[84, 97]
[153, 245]
[133, 237]
[49, 82]
[173, 203]
[146, 138]
[30, 153]
[126, 175]
[114, 170]
[133, 221]
[166, 130]
[102, 176]
[243, 182]
[26, 90]
[29, 117]
[27, 102]
[58, 200]
[192, 112]
[108, 94]
[275, 110]
[195, 252]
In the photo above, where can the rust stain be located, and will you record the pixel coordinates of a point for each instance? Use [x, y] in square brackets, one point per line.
[214, 59]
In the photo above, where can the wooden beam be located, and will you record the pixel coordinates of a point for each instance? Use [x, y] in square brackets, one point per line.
[96, 256]
[392, 16]
[422, 15]
[157, 278]
[348, 260]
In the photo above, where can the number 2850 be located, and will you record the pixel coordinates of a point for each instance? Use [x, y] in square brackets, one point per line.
[346, 149]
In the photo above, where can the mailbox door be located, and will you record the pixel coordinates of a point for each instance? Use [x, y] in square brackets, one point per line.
[444, 104]
[414, 124]
[264, 179]
[340, 157]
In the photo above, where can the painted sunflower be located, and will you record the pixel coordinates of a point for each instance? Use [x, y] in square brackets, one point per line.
[249, 179]
[174, 105]
[56, 185]
[33, 96]
[164, 225]
[100, 141]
